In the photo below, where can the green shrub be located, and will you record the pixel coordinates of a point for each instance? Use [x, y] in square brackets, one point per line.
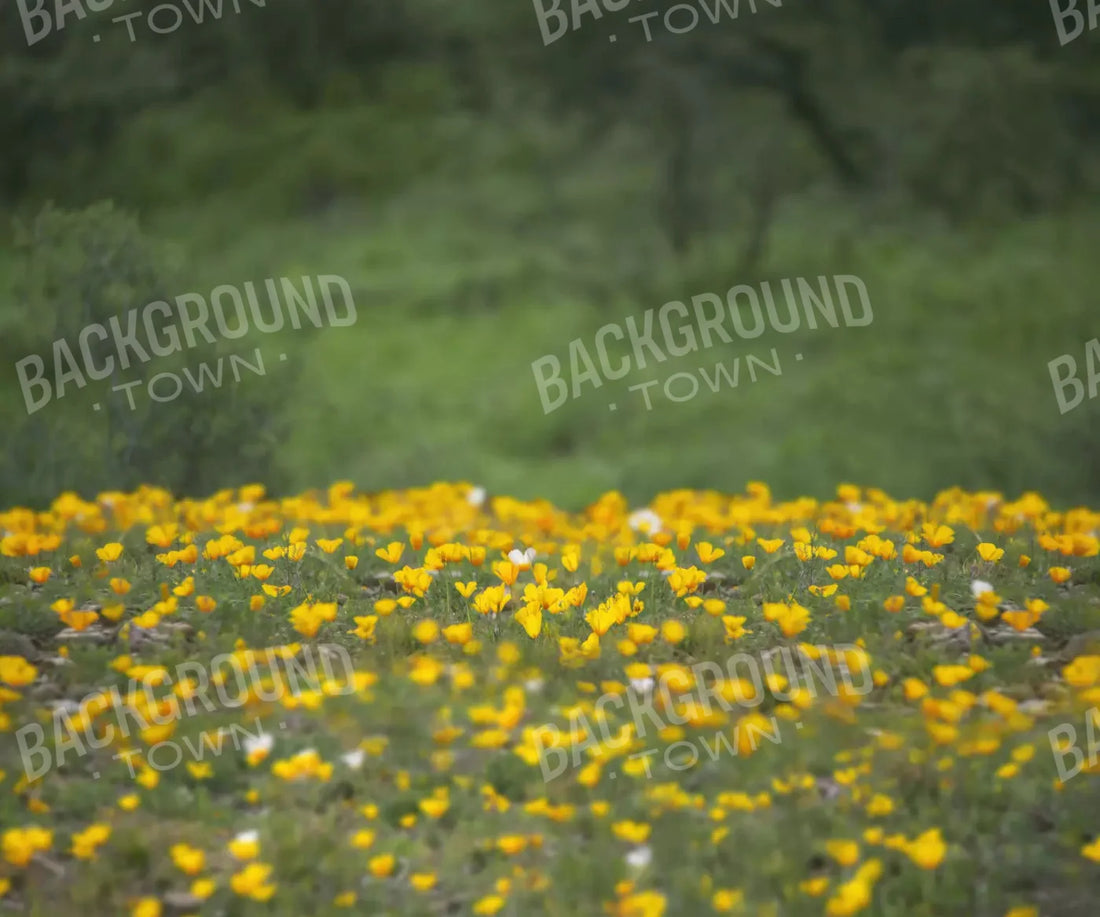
[76, 268]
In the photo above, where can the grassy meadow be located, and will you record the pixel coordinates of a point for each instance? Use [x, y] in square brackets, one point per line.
[460, 284]
[441, 701]
[369, 631]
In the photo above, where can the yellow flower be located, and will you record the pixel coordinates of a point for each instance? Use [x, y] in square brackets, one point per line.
[434, 808]
[458, 634]
[880, 805]
[844, 852]
[382, 865]
[792, 619]
[365, 627]
[251, 882]
[491, 600]
[735, 627]
[425, 632]
[422, 881]
[936, 536]
[188, 860]
[385, 607]
[1060, 574]
[16, 672]
[81, 620]
[714, 607]
[673, 631]
[245, 846]
[990, 552]
[85, 842]
[489, 905]
[726, 899]
[1092, 851]
[186, 588]
[425, 670]
[952, 620]
[19, 845]
[927, 850]
[849, 898]
[1082, 672]
[362, 839]
[529, 617]
[708, 552]
[392, 552]
[109, 552]
[203, 888]
[641, 904]
[1023, 754]
[146, 907]
[950, 675]
[814, 887]
[633, 832]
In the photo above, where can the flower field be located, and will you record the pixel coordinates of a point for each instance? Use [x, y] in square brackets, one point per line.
[438, 701]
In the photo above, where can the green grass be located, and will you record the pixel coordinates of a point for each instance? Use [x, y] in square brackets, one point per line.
[479, 266]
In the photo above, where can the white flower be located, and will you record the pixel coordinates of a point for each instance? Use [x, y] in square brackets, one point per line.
[979, 586]
[245, 507]
[642, 685]
[639, 857]
[247, 837]
[353, 759]
[533, 686]
[262, 742]
[476, 496]
[644, 520]
[522, 559]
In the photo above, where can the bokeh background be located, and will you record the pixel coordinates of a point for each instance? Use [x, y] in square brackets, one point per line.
[491, 198]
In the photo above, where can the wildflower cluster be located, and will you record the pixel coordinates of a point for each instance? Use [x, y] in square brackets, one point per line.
[484, 632]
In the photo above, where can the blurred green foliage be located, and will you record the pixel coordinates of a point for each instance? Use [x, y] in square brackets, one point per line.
[78, 268]
[491, 199]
